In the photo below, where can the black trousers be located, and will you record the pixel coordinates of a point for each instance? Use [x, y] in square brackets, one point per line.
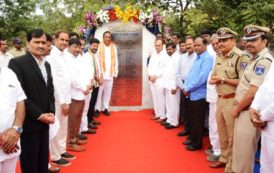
[197, 118]
[184, 111]
[92, 103]
[35, 152]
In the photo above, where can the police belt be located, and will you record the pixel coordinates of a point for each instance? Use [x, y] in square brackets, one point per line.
[229, 96]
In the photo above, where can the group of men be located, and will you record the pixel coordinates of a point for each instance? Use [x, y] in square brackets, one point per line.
[50, 96]
[210, 75]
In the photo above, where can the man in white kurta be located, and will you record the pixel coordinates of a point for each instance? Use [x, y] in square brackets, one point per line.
[262, 115]
[5, 56]
[155, 73]
[61, 82]
[109, 65]
[172, 92]
[80, 87]
[12, 113]
[89, 71]
[211, 98]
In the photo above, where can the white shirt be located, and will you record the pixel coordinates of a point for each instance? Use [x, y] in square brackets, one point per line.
[93, 64]
[77, 68]
[211, 93]
[107, 74]
[185, 64]
[11, 93]
[211, 50]
[5, 58]
[156, 65]
[60, 75]
[170, 72]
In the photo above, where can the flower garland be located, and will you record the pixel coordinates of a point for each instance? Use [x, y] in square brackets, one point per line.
[127, 13]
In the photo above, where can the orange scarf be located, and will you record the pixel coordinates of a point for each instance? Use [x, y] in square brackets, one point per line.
[102, 58]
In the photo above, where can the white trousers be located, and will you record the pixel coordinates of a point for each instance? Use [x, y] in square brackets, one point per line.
[213, 131]
[84, 121]
[8, 165]
[267, 154]
[58, 143]
[159, 101]
[172, 107]
[104, 95]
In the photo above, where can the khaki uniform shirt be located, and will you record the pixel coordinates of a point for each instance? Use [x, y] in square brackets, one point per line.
[230, 67]
[17, 53]
[255, 72]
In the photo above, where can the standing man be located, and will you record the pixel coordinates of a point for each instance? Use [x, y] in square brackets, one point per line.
[80, 87]
[262, 118]
[257, 68]
[175, 38]
[186, 62]
[169, 83]
[228, 69]
[12, 112]
[61, 82]
[109, 65]
[34, 74]
[17, 50]
[5, 56]
[155, 73]
[211, 97]
[98, 76]
[195, 88]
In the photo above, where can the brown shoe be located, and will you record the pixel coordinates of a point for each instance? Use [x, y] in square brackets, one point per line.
[217, 164]
[53, 169]
[75, 147]
[154, 118]
[81, 142]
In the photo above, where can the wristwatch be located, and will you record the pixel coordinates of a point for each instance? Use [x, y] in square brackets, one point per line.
[18, 129]
[222, 80]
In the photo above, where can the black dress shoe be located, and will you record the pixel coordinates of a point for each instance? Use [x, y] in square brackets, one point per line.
[191, 148]
[106, 112]
[163, 123]
[96, 113]
[187, 142]
[82, 137]
[96, 122]
[92, 126]
[182, 133]
[169, 126]
[89, 131]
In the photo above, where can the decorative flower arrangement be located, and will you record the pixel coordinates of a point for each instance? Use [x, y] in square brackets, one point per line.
[127, 13]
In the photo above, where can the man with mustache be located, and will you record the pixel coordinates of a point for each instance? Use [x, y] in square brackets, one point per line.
[245, 135]
[35, 76]
[92, 61]
[228, 69]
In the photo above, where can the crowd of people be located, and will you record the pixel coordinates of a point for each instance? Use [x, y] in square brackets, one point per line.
[52, 92]
[208, 81]
[51, 104]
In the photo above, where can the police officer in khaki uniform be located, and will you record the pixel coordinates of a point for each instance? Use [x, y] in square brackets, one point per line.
[245, 135]
[228, 69]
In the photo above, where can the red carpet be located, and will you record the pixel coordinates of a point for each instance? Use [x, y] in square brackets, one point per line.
[129, 142]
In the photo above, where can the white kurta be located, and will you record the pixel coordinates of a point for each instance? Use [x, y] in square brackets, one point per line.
[61, 83]
[90, 71]
[5, 58]
[264, 103]
[169, 82]
[105, 90]
[11, 93]
[155, 68]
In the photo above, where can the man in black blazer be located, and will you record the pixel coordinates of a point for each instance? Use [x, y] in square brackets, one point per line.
[34, 74]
